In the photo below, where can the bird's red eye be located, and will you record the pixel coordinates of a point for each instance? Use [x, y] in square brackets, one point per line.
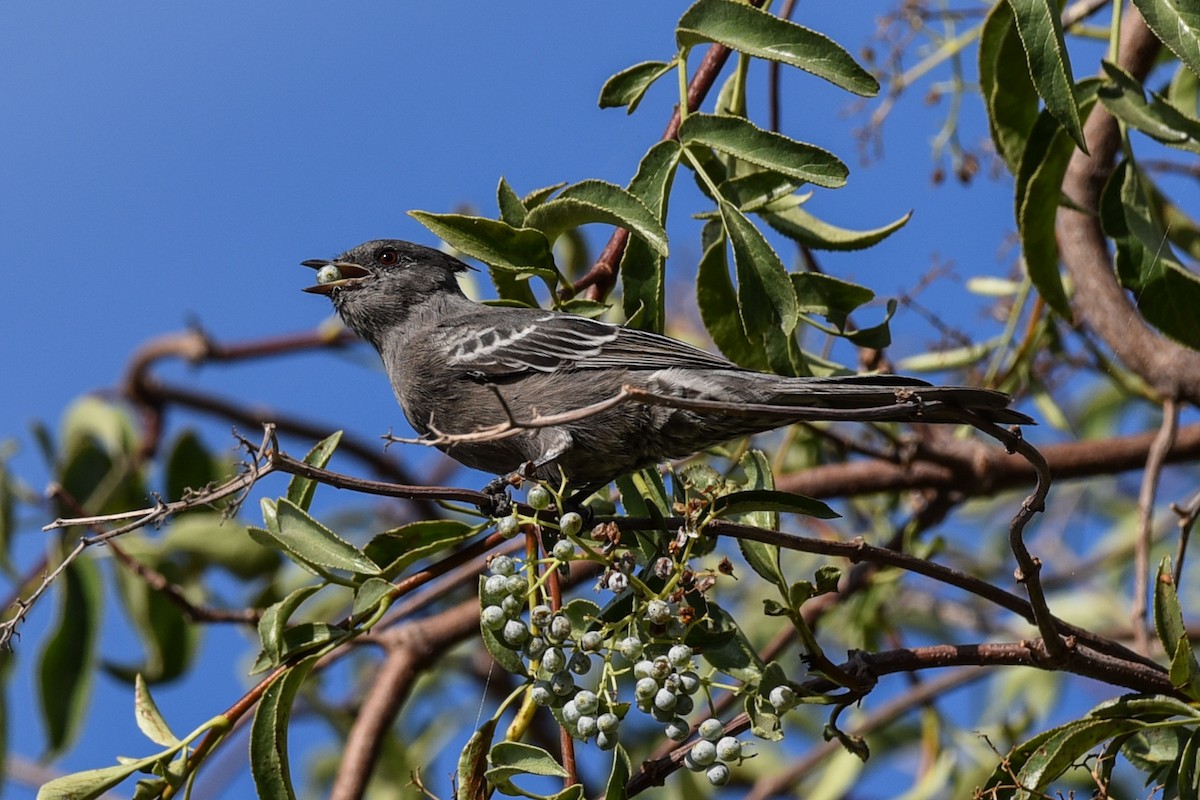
[387, 256]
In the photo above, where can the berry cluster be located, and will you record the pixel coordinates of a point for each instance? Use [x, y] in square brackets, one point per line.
[561, 647]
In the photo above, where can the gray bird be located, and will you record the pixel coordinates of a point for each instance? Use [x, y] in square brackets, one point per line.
[457, 367]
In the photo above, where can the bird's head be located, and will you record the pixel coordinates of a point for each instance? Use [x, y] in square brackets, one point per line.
[377, 285]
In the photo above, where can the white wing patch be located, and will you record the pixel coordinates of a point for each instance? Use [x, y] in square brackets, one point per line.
[545, 344]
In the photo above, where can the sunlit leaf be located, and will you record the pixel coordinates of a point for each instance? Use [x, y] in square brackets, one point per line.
[628, 86]
[754, 32]
[1040, 28]
[742, 139]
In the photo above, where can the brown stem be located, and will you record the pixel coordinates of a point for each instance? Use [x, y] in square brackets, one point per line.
[1098, 301]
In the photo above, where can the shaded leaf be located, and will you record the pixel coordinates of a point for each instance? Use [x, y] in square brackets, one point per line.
[1005, 85]
[771, 500]
[208, 538]
[1123, 95]
[168, 637]
[1039, 179]
[472, 763]
[1166, 293]
[66, 665]
[717, 302]
[269, 734]
[189, 466]
[763, 283]
[742, 139]
[622, 770]
[757, 33]
[643, 271]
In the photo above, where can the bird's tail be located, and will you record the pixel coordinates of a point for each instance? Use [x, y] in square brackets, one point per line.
[890, 398]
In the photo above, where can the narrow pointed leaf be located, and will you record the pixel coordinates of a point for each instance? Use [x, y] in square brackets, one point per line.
[800, 226]
[149, 719]
[303, 537]
[67, 663]
[269, 763]
[300, 489]
[512, 210]
[1158, 119]
[742, 139]
[1040, 28]
[771, 500]
[766, 298]
[1004, 83]
[1177, 24]
[716, 299]
[628, 86]
[754, 32]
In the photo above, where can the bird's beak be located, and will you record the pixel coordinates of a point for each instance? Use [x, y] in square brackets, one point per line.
[351, 274]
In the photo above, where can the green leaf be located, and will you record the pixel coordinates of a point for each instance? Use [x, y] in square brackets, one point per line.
[1067, 745]
[90, 418]
[716, 300]
[167, 635]
[368, 597]
[1039, 179]
[1177, 24]
[304, 539]
[622, 770]
[472, 763]
[512, 210]
[1004, 83]
[300, 489]
[209, 538]
[496, 244]
[150, 720]
[771, 500]
[744, 140]
[831, 297]
[94, 783]
[398, 548]
[800, 226]
[1040, 28]
[1166, 293]
[1172, 632]
[757, 33]
[643, 271]
[628, 86]
[727, 649]
[189, 466]
[269, 734]
[766, 299]
[274, 620]
[597, 201]
[66, 666]
[1158, 119]
[510, 759]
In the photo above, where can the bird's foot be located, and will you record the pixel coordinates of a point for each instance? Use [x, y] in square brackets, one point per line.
[497, 490]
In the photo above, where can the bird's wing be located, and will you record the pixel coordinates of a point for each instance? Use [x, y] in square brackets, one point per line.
[498, 343]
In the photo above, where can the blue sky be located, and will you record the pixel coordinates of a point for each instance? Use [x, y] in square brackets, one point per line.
[162, 163]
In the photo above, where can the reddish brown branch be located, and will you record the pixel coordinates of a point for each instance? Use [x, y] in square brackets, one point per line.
[1098, 300]
[990, 471]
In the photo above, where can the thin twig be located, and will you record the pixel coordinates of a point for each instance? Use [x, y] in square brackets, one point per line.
[1155, 460]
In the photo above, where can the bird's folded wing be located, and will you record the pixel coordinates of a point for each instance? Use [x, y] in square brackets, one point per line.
[540, 341]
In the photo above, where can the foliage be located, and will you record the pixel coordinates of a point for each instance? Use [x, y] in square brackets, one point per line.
[680, 650]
